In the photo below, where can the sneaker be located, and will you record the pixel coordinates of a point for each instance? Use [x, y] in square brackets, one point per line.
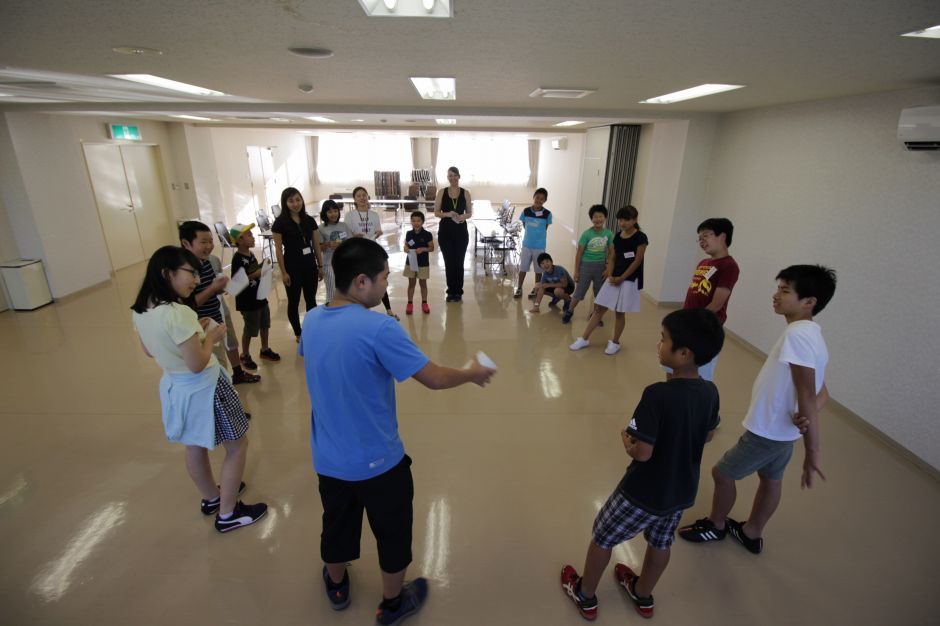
[627, 578]
[339, 597]
[425, 308]
[612, 347]
[517, 294]
[579, 343]
[270, 355]
[211, 507]
[553, 301]
[531, 295]
[248, 363]
[703, 530]
[566, 317]
[409, 308]
[244, 377]
[413, 595]
[754, 546]
[571, 585]
[391, 314]
[600, 323]
[243, 515]
[566, 306]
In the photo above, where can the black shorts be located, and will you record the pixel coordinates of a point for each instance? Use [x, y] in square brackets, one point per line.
[387, 500]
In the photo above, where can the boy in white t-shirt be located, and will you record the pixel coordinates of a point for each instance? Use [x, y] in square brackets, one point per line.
[787, 396]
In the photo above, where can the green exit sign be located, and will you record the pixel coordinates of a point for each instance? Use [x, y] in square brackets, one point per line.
[123, 131]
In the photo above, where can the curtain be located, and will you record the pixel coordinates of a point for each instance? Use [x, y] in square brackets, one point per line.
[434, 143]
[414, 153]
[314, 157]
[533, 163]
[621, 165]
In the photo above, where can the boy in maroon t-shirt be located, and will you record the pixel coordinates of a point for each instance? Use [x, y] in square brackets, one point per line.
[714, 277]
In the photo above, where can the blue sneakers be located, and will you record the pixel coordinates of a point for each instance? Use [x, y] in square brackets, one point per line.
[339, 598]
[413, 595]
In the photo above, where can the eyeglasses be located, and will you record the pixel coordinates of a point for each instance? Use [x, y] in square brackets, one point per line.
[191, 271]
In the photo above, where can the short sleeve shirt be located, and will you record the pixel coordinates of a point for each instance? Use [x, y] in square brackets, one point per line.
[675, 418]
[163, 328]
[352, 358]
[296, 237]
[364, 223]
[625, 253]
[773, 397]
[595, 245]
[556, 275]
[247, 300]
[339, 231]
[211, 307]
[420, 240]
[711, 274]
[536, 227]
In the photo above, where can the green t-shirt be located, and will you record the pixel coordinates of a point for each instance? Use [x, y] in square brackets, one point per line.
[595, 245]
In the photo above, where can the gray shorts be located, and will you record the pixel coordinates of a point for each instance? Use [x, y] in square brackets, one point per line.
[589, 274]
[259, 319]
[529, 258]
[754, 453]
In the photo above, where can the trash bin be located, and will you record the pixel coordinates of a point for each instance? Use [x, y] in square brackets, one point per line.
[26, 284]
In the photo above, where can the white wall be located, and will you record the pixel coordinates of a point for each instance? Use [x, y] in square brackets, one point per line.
[51, 207]
[558, 174]
[828, 182]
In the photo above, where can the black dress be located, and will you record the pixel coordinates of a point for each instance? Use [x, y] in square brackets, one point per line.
[453, 239]
[300, 266]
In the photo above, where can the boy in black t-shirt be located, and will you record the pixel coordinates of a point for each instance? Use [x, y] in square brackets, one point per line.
[255, 312]
[665, 438]
[421, 242]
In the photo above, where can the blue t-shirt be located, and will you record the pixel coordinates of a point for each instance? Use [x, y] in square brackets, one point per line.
[536, 227]
[554, 277]
[352, 358]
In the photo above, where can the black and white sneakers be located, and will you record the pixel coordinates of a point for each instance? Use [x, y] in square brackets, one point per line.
[211, 507]
[243, 515]
[702, 531]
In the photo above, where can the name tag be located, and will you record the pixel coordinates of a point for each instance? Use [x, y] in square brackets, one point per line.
[411, 243]
[711, 272]
[342, 234]
[307, 250]
[629, 255]
[538, 213]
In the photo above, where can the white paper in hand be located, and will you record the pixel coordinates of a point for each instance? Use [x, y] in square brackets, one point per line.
[238, 283]
[413, 261]
[485, 361]
[266, 281]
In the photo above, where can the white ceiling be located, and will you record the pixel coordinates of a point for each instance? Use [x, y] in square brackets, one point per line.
[498, 50]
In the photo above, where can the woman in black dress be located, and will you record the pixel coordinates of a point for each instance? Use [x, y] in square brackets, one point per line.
[301, 258]
[453, 207]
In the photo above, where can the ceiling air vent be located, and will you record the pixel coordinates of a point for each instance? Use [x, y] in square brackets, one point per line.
[543, 92]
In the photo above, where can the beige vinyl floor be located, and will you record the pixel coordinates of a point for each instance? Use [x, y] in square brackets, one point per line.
[99, 523]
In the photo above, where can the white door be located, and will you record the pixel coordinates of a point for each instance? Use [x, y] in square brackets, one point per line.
[593, 173]
[145, 182]
[266, 181]
[115, 208]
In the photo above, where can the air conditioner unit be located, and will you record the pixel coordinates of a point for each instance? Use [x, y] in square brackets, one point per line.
[560, 144]
[919, 128]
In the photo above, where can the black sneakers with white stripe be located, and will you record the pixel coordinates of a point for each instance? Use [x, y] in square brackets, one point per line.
[211, 507]
[701, 531]
[243, 515]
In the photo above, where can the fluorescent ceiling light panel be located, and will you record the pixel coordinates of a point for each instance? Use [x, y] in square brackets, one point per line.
[928, 33]
[547, 92]
[166, 83]
[446, 121]
[194, 117]
[569, 123]
[356, 120]
[408, 8]
[436, 88]
[693, 92]
[322, 120]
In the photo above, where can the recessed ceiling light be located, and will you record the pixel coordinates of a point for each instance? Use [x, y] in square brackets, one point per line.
[435, 88]
[928, 33]
[569, 123]
[545, 92]
[356, 120]
[446, 121]
[311, 53]
[166, 83]
[6, 95]
[408, 8]
[137, 50]
[194, 117]
[305, 87]
[279, 119]
[693, 92]
[322, 120]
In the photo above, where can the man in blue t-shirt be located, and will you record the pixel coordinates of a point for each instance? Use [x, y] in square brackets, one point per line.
[536, 220]
[352, 357]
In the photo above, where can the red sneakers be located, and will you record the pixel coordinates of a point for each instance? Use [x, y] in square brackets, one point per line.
[627, 578]
[569, 584]
[425, 308]
[409, 308]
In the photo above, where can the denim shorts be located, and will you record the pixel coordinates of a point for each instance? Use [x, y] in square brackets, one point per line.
[754, 453]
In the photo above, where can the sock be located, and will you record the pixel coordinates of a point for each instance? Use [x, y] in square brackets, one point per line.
[226, 516]
[423, 301]
[410, 302]
[334, 586]
[392, 604]
[580, 595]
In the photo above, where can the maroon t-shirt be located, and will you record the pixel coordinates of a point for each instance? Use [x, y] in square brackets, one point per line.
[707, 277]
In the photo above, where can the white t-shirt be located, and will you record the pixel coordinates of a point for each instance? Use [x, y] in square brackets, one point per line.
[163, 328]
[773, 398]
[366, 223]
